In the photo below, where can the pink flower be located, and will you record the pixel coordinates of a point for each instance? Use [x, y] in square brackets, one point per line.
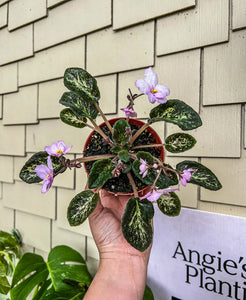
[149, 86]
[46, 173]
[129, 112]
[155, 194]
[57, 149]
[143, 167]
[186, 176]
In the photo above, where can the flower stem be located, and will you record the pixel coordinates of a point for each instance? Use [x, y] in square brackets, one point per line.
[136, 135]
[132, 184]
[104, 117]
[148, 146]
[99, 130]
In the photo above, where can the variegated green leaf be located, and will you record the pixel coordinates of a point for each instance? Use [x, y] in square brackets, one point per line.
[82, 83]
[201, 176]
[80, 107]
[179, 142]
[100, 173]
[177, 112]
[136, 223]
[28, 174]
[68, 117]
[169, 205]
[119, 132]
[81, 206]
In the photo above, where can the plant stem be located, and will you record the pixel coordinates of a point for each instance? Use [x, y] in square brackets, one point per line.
[136, 135]
[132, 184]
[93, 128]
[8, 258]
[91, 158]
[148, 146]
[104, 117]
[99, 130]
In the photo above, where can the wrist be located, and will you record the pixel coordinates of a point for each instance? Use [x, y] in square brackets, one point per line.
[126, 274]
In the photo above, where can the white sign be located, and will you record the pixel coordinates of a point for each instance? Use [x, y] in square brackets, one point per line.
[198, 256]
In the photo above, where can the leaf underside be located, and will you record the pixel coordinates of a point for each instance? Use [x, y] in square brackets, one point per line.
[177, 112]
[202, 176]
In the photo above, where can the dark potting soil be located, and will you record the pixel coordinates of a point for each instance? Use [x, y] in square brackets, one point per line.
[97, 146]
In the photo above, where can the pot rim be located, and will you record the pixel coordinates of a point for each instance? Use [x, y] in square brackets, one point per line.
[135, 122]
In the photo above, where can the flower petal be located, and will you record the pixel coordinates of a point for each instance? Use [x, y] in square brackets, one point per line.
[143, 86]
[151, 77]
[42, 171]
[49, 163]
[151, 97]
[46, 185]
[163, 89]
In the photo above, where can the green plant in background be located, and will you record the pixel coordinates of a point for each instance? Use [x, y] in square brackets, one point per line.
[122, 158]
[64, 275]
[10, 244]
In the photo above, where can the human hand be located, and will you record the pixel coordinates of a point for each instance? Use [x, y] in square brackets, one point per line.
[105, 223]
[123, 269]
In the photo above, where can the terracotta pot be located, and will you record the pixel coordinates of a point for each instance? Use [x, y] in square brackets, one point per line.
[139, 124]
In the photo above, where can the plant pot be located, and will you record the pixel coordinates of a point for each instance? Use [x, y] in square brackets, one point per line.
[135, 123]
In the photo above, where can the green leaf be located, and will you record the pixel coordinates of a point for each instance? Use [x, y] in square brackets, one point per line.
[163, 180]
[179, 142]
[136, 226]
[28, 174]
[146, 156]
[4, 285]
[124, 156]
[66, 263]
[63, 263]
[68, 117]
[81, 82]
[78, 105]
[148, 295]
[81, 206]
[202, 176]
[116, 149]
[7, 241]
[100, 172]
[29, 273]
[169, 205]
[177, 112]
[128, 166]
[119, 132]
[64, 295]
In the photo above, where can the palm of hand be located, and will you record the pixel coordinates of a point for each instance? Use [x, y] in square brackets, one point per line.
[105, 223]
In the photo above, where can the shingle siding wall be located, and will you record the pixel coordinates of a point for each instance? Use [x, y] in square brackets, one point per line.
[198, 49]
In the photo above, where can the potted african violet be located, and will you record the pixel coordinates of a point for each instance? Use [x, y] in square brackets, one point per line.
[124, 155]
